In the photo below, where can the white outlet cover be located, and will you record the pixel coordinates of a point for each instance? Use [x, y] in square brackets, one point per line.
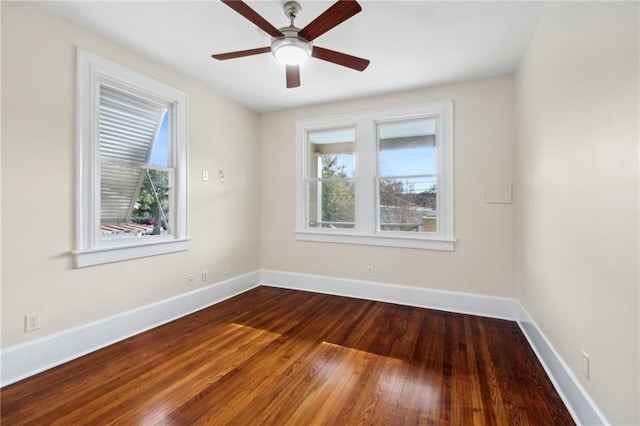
[32, 322]
[586, 365]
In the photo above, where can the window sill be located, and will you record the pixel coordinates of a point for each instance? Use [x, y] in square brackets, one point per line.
[101, 255]
[421, 242]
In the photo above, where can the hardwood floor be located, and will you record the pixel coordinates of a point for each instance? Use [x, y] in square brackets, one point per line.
[274, 356]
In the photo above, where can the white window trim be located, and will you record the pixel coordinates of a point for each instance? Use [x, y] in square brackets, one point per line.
[92, 70]
[366, 231]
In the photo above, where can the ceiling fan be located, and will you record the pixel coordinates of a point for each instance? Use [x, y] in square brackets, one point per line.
[293, 45]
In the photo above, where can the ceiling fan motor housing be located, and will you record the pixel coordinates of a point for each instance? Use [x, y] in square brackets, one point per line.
[291, 48]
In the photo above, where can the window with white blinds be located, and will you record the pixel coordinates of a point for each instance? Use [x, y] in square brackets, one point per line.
[128, 130]
[131, 166]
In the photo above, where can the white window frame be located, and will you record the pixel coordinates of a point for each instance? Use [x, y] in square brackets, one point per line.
[366, 229]
[92, 71]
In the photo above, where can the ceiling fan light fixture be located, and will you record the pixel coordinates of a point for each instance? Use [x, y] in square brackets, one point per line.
[291, 50]
[292, 45]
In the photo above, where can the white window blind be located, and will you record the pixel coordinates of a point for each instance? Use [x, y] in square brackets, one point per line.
[128, 128]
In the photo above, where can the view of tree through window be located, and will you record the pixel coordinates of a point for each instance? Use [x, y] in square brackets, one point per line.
[331, 184]
[152, 205]
[337, 192]
[407, 176]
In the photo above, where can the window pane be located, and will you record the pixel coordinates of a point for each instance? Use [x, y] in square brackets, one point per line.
[331, 203]
[122, 218]
[331, 153]
[408, 205]
[407, 148]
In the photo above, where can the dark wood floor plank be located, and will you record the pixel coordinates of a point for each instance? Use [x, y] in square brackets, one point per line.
[283, 357]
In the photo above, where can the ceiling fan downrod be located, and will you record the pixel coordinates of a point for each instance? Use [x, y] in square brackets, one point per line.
[292, 10]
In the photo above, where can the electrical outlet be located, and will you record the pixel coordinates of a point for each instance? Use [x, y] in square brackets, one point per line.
[32, 321]
[586, 365]
[369, 271]
[227, 269]
[190, 279]
[205, 275]
[205, 175]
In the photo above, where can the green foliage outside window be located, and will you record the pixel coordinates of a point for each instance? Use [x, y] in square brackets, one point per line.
[338, 201]
[148, 206]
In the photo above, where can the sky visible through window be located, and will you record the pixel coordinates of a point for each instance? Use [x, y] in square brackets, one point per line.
[408, 162]
[160, 153]
[408, 149]
[399, 161]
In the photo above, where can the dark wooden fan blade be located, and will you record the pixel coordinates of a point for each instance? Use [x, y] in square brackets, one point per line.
[241, 53]
[332, 17]
[293, 76]
[243, 9]
[343, 59]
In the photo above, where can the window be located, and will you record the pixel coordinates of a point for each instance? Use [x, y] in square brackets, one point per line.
[131, 166]
[380, 178]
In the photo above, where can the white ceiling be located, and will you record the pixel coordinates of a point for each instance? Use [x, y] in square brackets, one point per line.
[410, 44]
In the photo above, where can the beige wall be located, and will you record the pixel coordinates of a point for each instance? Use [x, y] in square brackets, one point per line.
[577, 162]
[483, 260]
[38, 149]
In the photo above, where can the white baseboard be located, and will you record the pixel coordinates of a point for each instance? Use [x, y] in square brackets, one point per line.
[35, 356]
[582, 408]
[575, 397]
[465, 303]
[29, 358]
